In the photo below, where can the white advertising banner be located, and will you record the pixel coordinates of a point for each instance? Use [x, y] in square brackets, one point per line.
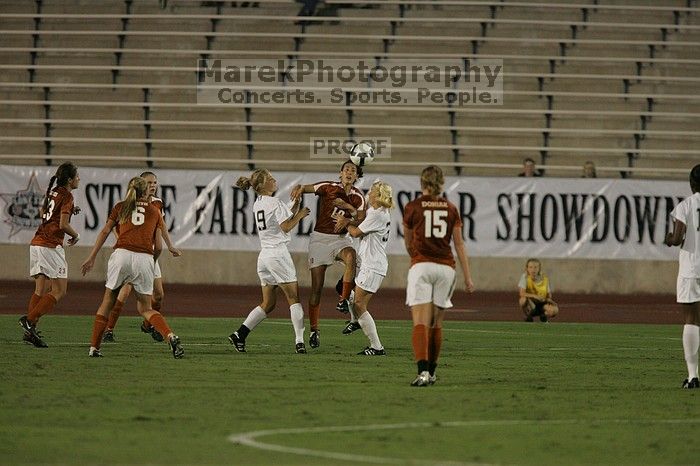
[505, 217]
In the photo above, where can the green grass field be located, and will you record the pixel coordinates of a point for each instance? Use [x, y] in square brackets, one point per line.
[507, 393]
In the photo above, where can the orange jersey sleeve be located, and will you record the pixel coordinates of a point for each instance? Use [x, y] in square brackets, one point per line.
[49, 234]
[328, 191]
[157, 203]
[137, 234]
[432, 221]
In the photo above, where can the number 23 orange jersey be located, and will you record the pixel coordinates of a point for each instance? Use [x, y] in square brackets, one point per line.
[49, 233]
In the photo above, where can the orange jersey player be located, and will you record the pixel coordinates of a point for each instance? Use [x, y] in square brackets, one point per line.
[133, 261]
[158, 291]
[327, 245]
[47, 259]
[431, 223]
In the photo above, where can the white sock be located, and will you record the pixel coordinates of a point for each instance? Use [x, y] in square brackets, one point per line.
[691, 343]
[368, 326]
[351, 306]
[353, 317]
[256, 316]
[297, 313]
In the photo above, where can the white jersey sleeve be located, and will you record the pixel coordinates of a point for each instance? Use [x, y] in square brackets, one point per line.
[688, 212]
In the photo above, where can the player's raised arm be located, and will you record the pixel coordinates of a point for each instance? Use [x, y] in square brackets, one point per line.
[300, 189]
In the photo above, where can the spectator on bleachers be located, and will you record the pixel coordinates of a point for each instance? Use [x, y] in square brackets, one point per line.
[589, 170]
[530, 168]
[309, 8]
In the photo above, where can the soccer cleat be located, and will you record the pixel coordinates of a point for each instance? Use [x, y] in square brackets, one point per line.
[543, 318]
[432, 379]
[157, 336]
[343, 306]
[300, 348]
[314, 339]
[29, 338]
[369, 351]
[237, 342]
[692, 383]
[108, 337]
[175, 345]
[351, 327]
[31, 335]
[422, 380]
[94, 353]
[24, 323]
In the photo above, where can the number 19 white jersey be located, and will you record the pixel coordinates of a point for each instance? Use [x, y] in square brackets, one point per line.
[269, 213]
[688, 212]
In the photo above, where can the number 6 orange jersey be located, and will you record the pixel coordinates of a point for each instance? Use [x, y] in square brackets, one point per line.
[137, 234]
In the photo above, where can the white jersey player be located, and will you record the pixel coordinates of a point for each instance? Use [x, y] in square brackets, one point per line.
[374, 235]
[274, 220]
[686, 234]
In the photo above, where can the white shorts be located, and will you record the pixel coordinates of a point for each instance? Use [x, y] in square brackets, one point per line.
[275, 266]
[136, 268]
[369, 280]
[430, 282]
[323, 248]
[157, 273]
[687, 290]
[48, 261]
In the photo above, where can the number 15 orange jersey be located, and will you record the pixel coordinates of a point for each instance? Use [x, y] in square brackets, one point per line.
[432, 220]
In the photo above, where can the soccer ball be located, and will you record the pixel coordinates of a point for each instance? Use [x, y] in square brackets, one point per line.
[362, 154]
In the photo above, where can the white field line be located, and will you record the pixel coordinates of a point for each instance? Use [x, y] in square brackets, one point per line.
[447, 328]
[250, 439]
[141, 345]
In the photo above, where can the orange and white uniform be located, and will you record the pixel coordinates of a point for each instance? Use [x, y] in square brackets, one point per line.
[156, 202]
[431, 278]
[324, 244]
[132, 259]
[46, 254]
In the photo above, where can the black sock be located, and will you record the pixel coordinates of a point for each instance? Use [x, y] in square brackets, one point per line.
[431, 367]
[422, 365]
[243, 331]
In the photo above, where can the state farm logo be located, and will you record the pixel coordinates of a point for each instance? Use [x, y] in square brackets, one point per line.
[21, 209]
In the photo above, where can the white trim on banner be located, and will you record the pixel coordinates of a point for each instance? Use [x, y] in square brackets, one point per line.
[503, 217]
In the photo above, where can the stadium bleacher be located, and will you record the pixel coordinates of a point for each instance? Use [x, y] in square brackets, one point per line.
[615, 83]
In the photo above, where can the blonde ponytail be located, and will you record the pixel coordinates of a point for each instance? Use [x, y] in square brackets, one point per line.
[256, 181]
[243, 183]
[137, 188]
